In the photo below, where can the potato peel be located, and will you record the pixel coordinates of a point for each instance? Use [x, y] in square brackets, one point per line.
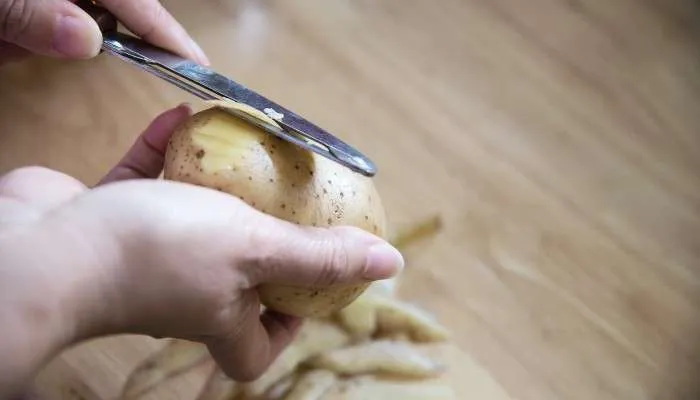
[395, 316]
[372, 315]
[315, 337]
[279, 390]
[177, 357]
[400, 359]
[359, 318]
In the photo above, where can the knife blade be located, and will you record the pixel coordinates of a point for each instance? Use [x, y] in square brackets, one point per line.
[208, 84]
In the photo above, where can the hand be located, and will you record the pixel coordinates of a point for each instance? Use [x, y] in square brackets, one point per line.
[146, 256]
[59, 28]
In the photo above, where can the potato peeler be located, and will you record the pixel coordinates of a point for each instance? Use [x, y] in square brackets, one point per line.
[210, 85]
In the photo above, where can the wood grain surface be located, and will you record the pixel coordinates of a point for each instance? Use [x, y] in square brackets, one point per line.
[560, 140]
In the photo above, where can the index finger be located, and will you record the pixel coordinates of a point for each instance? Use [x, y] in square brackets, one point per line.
[145, 158]
[151, 21]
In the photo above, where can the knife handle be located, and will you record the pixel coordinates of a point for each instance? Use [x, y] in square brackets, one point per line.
[105, 20]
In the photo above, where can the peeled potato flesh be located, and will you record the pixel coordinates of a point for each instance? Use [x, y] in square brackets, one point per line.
[216, 148]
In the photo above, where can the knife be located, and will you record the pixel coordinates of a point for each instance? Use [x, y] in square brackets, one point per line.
[210, 85]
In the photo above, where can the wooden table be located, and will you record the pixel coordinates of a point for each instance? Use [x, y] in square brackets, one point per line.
[560, 140]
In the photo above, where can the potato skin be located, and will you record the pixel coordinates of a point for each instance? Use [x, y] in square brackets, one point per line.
[216, 149]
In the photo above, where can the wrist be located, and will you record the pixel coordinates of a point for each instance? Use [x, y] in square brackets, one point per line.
[86, 259]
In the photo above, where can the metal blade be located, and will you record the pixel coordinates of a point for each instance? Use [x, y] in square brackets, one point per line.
[210, 85]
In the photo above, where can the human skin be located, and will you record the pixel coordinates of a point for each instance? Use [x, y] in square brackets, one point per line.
[145, 256]
[60, 29]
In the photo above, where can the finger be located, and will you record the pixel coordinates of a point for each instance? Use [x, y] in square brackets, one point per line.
[282, 252]
[150, 20]
[11, 52]
[56, 28]
[257, 342]
[146, 156]
[41, 187]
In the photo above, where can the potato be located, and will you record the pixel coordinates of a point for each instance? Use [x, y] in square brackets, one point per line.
[217, 149]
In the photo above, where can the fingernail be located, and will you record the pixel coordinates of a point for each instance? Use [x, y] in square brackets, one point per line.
[73, 38]
[383, 261]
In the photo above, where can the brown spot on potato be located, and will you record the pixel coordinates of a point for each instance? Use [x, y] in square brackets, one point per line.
[271, 180]
[200, 153]
[250, 178]
[283, 206]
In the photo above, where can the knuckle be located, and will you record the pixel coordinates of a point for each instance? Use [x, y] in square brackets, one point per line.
[335, 261]
[15, 17]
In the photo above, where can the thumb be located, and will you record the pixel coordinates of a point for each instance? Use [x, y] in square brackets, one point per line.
[56, 28]
[285, 253]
